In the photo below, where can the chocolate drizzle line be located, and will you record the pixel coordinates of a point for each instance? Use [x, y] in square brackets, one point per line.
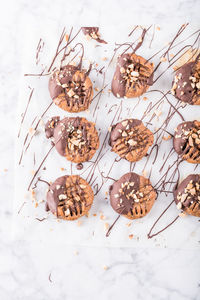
[169, 66]
[38, 50]
[25, 112]
[40, 220]
[40, 167]
[170, 47]
[133, 30]
[91, 173]
[130, 45]
[21, 207]
[36, 126]
[152, 36]
[152, 235]
[58, 50]
[140, 42]
[42, 180]
[26, 137]
[111, 227]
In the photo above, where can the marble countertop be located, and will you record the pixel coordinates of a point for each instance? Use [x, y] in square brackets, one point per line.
[38, 271]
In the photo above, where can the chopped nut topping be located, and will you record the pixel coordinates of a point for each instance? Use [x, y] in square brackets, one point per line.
[62, 197]
[134, 73]
[124, 134]
[82, 186]
[179, 205]
[198, 85]
[67, 212]
[131, 142]
[197, 141]
[191, 141]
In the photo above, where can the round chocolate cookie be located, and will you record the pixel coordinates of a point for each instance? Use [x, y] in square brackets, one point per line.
[187, 195]
[130, 139]
[187, 141]
[71, 89]
[132, 77]
[132, 196]
[69, 197]
[75, 138]
[186, 84]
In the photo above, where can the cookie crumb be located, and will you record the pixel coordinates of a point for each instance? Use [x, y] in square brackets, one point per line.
[163, 59]
[129, 224]
[106, 226]
[102, 217]
[79, 223]
[166, 138]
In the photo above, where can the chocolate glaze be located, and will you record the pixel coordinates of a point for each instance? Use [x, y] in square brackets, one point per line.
[130, 184]
[50, 126]
[116, 134]
[184, 90]
[179, 141]
[64, 78]
[119, 83]
[181, 190]
[93, 32]
[69, 197]
[64, 129]
[183, 138]
[114, 190]
[54, 192]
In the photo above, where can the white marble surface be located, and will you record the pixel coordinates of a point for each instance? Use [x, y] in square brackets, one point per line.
[78, 272]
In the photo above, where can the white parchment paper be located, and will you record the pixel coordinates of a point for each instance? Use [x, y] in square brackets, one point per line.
[184, 233]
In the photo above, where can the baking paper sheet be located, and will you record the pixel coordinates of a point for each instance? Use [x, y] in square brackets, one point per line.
[90, 231]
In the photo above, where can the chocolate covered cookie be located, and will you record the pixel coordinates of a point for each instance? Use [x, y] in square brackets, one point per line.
[132, 77]
[71, 89]
[75, 138]
[187, 141]
[132, 196]
[69, 197]
[187, 195]
[186, 84]
[130, 139]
